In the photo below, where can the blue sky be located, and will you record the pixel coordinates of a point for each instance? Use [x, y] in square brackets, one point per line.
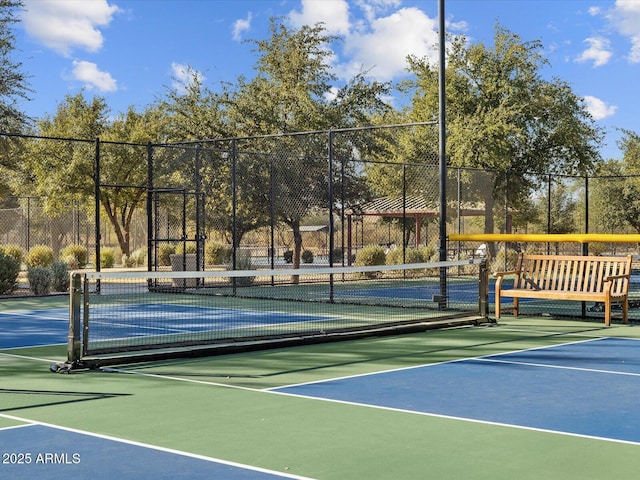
[131, 51]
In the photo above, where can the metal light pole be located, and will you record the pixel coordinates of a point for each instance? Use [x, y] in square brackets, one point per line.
[442, 152]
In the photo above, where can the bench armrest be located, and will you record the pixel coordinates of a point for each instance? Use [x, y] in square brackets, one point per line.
[500, 277]
[613, 277]
[508, 272]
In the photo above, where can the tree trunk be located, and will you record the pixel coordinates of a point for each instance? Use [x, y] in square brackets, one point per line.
[297, 248]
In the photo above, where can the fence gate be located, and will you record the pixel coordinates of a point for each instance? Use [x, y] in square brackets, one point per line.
[176, 229]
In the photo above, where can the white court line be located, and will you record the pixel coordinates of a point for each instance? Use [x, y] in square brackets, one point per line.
[425, 365]
[25, 357]
[558, 367]
[462, 419]
[275, 390]
[153, 447]
[13, 427]
[31, 315]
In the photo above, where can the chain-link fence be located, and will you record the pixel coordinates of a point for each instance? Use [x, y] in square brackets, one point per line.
[304, 198]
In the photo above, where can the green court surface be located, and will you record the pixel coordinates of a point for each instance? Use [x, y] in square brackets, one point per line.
[228, 408]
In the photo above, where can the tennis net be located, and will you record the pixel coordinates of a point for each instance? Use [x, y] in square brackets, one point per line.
[120, 317]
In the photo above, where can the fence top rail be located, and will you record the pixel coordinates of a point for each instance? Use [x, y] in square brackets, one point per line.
[546, 237]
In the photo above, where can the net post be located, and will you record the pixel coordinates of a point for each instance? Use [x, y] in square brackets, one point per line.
[483, 289]
[73, 340]
[85, 314]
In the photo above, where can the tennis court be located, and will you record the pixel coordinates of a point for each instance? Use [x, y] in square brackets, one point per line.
[526, 398]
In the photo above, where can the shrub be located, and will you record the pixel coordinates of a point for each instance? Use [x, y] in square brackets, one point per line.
[371, 255]
[307, 256]
[243, 262]
[165, 251]
[40, 256]
[412, 255]
[71, 261]
[14, 250]
[137, 258]
[107, 257]
[428, 252]
[9, 270]
[40, 279]
[597, 248]
[60, 276]
[288, 256]
[337, 256]
[498, 263]
[217, 254]
[189, 248]
[78, 253]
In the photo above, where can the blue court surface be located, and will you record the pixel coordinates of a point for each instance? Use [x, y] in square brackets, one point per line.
[47, 327]
[46, 453]
[589, 389]
[27, 328]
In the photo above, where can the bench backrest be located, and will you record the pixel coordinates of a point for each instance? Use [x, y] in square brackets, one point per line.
[572, 273]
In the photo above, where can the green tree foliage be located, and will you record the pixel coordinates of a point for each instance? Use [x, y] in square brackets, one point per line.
[61, 170]
[196, 112]
[13, 82]
[123, 167]
[559, 214]
[616, 195]
[14, 88]
[293, 91]
[502, 115]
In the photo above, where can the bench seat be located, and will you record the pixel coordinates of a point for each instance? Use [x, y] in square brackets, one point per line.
[582, 278]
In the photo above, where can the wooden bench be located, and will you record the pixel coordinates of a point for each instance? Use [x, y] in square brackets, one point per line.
[583, 278]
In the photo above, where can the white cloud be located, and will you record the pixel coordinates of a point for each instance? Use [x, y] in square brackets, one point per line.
[599, 109]
[375, 8]
[386, 45]
[599, 51]
[183, 76]
[63, 25]
[333, 13]
[380, 41]
[240, 26]
[625, 16]
[92, 77]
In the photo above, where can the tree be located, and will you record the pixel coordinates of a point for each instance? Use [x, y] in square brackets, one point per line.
[123, 167]
[13, 89]
[503, 116]
[60, 166]
[196, 112]
[60, 172]
[13, 82]
[293, 92]
[619, 193]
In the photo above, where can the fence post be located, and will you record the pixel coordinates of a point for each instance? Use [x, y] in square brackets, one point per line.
[152, 247]
[97, 180]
